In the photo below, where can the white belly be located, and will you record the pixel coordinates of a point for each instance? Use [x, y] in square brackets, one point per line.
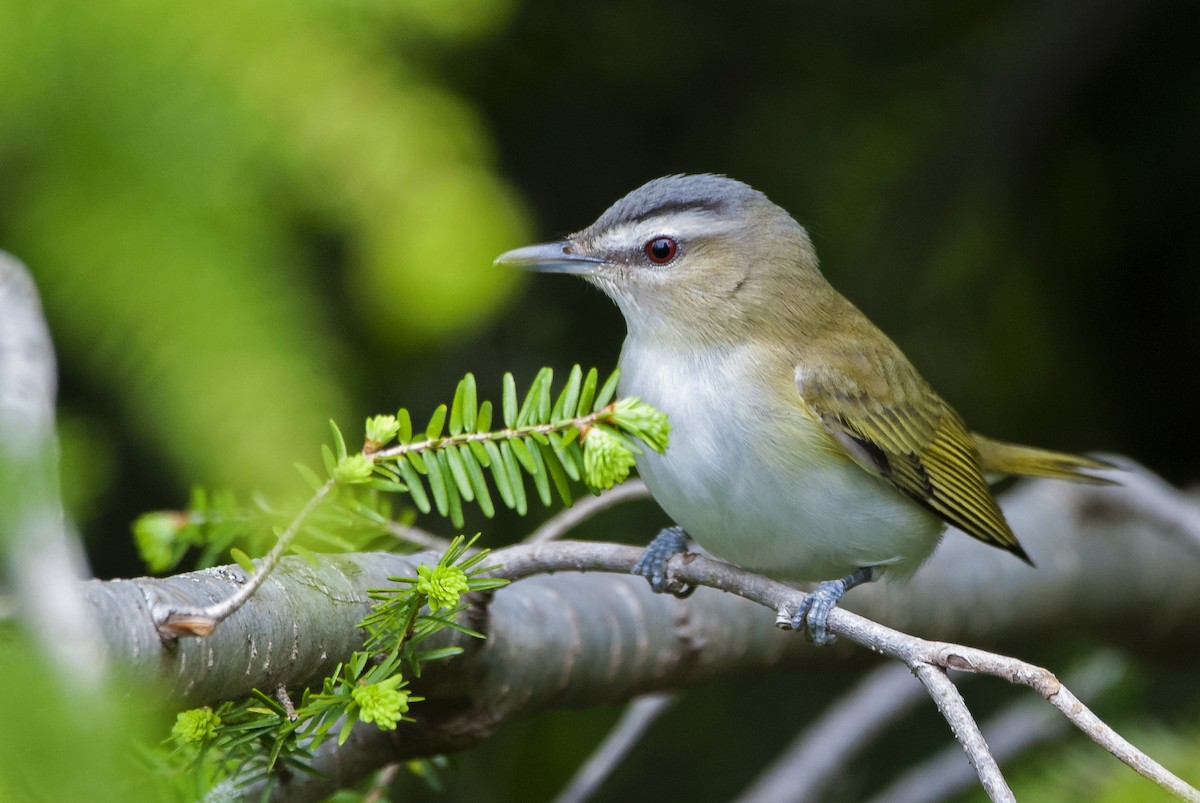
[761, 484]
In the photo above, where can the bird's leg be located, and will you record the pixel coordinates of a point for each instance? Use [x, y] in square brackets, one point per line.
[652, 565]
[814, 611]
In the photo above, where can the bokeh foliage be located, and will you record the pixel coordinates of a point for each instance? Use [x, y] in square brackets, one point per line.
[177, 177]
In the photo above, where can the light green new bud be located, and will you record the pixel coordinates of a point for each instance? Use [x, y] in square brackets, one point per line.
[381, 703]
[353, 468]
[380, 429]
[644, 421]
[606, 458]
[444, 585]
[195, 725]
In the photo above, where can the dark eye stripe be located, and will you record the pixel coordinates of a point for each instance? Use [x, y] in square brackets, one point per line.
[679, 207]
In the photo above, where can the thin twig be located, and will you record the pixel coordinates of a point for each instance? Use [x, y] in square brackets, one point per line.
[954, 708]
[639, 715]
[1058, 695]
[805, 768]
[173, 622]
[569, 518]
[1009, 733]
[528, 559]
[581, 423]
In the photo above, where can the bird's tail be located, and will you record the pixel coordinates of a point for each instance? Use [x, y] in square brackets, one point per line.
[998, 457]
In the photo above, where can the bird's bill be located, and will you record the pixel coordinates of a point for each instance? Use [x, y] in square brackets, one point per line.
[552, 257]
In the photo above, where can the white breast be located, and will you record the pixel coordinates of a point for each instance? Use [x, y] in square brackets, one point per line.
[754, 479]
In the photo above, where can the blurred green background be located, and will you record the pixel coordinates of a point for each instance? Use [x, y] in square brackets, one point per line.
[248, 218]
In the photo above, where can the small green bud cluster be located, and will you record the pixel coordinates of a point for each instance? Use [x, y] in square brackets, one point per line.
[642, 421]
[195, 725]
[442, 584]
[608, 455]
[354, 468]
[607, 458]
[382, 703]
[380, 429]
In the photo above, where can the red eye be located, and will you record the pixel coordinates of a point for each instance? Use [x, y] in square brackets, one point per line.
[661, 250]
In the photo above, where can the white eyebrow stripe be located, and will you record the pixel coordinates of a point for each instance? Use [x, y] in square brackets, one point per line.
[683, 226]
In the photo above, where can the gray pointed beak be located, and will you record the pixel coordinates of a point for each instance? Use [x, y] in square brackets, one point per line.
[550, 258]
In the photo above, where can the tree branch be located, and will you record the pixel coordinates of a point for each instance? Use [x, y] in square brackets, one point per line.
[573, 639]
[962, 723]
[1008, 733]
[41, 560]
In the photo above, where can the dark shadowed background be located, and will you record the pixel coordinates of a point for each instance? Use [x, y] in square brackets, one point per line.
[247, 219]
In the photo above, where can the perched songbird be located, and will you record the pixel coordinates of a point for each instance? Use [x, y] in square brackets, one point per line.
[804, 444]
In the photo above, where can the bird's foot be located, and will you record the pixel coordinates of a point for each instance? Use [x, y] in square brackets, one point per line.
[814, 610]
[652, 564]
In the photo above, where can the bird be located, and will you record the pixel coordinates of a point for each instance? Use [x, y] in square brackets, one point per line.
[804, 444]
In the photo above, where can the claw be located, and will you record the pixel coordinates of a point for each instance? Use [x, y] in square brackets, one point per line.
[652, 564]
[815, 609]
